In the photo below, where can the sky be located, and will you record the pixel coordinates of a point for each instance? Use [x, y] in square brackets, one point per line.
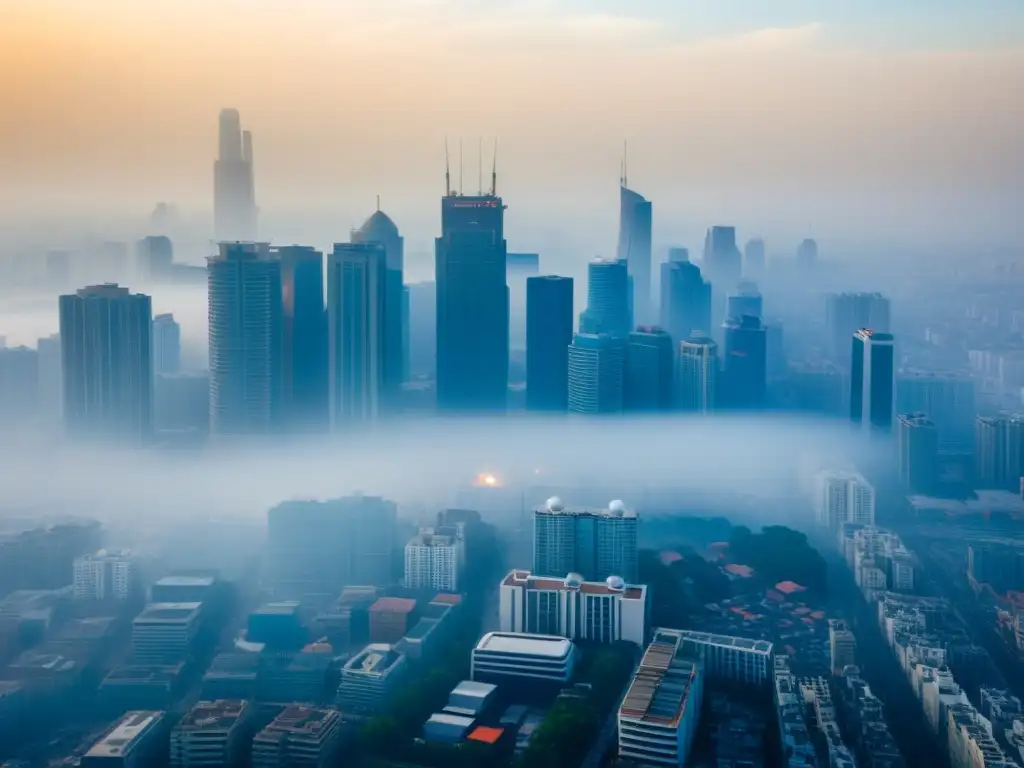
[849, 120]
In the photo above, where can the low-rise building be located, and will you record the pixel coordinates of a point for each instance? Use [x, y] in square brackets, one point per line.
[390, 619]
[138, 740]
[370, 678]
[300, 736]
[184, 588]
[503, 657]
[212, 733]
[729, 658]
[163, 633]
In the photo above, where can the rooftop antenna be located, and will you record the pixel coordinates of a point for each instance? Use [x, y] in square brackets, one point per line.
[494, 169]
[447, 171]
[480, 166]
[625, 163]
[460, 166]
[378, 203]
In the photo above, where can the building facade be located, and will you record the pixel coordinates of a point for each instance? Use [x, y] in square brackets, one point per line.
[873, 381]
[596, 374]
[595, 543]
[649, 377]
[697, 375]
[549, 321]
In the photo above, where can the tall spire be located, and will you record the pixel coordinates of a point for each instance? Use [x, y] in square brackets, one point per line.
[625, 163]
[447, 171]
[494, 169]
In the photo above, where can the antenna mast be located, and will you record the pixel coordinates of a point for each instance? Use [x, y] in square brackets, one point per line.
[494, 170]
[460, 166]
[625, 163]
[447, 171]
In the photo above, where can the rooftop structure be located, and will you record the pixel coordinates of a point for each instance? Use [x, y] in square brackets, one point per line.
[126, 742]
[300, 735]
[727, 657]
[500, 657]
[212, 733]
[370, 677]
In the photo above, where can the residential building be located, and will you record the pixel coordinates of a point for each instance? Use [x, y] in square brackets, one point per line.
[299, 735]
[106, 575]
[433, 561]
[917, 442]
[844, 497]
[594, 543]
[166, 344]
[842, 646]
[999, 452]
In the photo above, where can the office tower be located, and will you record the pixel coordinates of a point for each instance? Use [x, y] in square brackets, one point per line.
[245, 330]
[213, 733]
[917, 443]
[685, 299]
[356, 300]
[548, 336]
[106, 359]
[842, 645]
[422, 322]
[596, 373]
[472, 304]
[154, 256]
[19, 384]
[166, 344]
[872, 381]
[746, 363]
[847, 313]
[304, 370]
[754, 259]
[723, 266]
[519, 268]
[635, 248]
[314, 548]
[697, 375]
[234, 197]
[106, 576]
[843, 497]
[999, 452]
[608, 299]
[433, 561]
[51, 381]
[379, 228]
[594, 543]
[948, 399]
[747, 300]
[806, 255]
[650, 359]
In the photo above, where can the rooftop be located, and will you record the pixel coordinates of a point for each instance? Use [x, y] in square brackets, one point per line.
[213, 715]
[184, 580]
[725, 641]
[486, 735]
[393, 605]
[298, 719]
[446, 598]
[119, 739]
[661, 687]
[374, 659]
[521, 578]
[525, 644]
[144, 673]
[473, 688]
[169, 613]
[285, 608]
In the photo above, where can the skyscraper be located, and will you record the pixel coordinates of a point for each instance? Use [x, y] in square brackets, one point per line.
[947, 397]
[154, 256]
[872, 381]
[685, 299]
[747, 300]
[304, 373]
[999, 451]
[472, 304]
[107, 364]
[19, 384]
[723, 266]
[379, 228]
[356, 301]
[596, 373]
[166, 344]
[548, 336]
[650, 359]
[807, 255]
[917, 443]
[608, 299]
[754, 259]
[697, 375]
[245, 331]
[846, 313]
[844, 497]
[746, 363]
[593, 543]
[635, 248]
[234, 198]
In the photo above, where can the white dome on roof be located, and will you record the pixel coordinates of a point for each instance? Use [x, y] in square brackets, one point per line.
[573, 580]
[617, 507]
[554, 504]
[616, 583]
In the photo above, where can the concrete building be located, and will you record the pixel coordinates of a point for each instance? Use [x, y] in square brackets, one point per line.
[596, 543]
[139, 740]
[697, 375]
[843, 497]
[371, 677]
[658, 716]
[212, 733]
[106, 576]
[727, 658]
[999, 452]
[608, 310]
[873, 381]
[163, 633]
[299, 736]
[917, 443]
[600, 612]
[549, 321]
[433, 561]
[503, 657]
[842, 646]
[183, 588]
[596, 373]
[685, 298]
[649, 376]
[947, 397]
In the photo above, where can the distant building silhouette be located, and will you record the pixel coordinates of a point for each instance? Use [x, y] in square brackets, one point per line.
[635, 222]
[685, 299]
[723, 267]
[847, 313]
[234, 197]
[917, 441]
[650, 359]
[154, 257]
[754, 259]
[596, 373]
[746, 363]
[519, 267]
[747, 300]
[166, 344]
[999, 451]
[807, 255]
[548, 336]
[106, 356]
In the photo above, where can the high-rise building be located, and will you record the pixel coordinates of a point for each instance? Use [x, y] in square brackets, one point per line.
[608, 299]
[106, 576]
[166, 344]
[697, 375]
[635, 249]
[472, 304]
[548, 336]
[917, 442]
[304, 370]
[595, 543]
[999, 451]
[754, 259]
[245, 329]
[650, 363]
[596, 373]
[723, 266]
[433, 561]
[19, 384]
[842, 645]
[844, 497]
[154, 256]
[948, 398]
[356, 299]
[806, 255]
[314, 548]
[379, 228]
[747, 300]
[873, 381]
[847, 313]
[422, 324]
[746, 363]
[234, 196]
[106, 359]
[685, 300]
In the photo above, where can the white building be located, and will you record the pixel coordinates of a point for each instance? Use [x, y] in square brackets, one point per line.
[433, 561]
[658, 716]
[726, 657]
[501, 657]
[105, 576]
[844, 497]
[602, 612]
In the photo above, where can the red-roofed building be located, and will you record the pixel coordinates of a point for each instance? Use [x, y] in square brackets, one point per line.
[789, 587]
[486, 735]
[390, 619]
[743, 571]
[668, 557]
[447, 598]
